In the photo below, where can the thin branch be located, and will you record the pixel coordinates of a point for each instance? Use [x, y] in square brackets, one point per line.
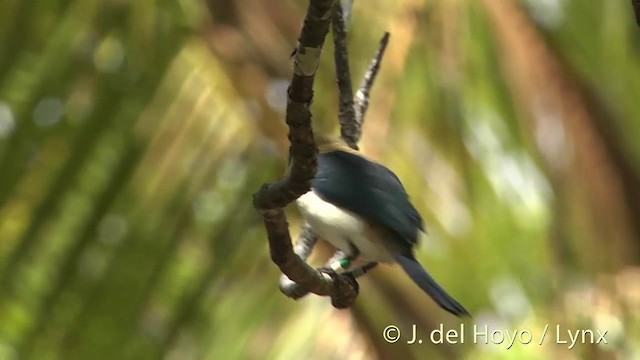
[296, 291]
[306, 241]
[636, 10]
[350, 128]
[304, 244]
[350, 133]
[272, 198]
[362, 96]
[299, 278]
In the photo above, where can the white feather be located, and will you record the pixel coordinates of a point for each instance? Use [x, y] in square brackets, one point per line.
[341, 227]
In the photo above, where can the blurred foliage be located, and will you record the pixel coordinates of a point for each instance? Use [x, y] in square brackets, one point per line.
[132, 135]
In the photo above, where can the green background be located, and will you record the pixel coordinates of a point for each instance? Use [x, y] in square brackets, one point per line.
[133, 134]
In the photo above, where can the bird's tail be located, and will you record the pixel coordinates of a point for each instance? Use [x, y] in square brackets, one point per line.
[420, 276]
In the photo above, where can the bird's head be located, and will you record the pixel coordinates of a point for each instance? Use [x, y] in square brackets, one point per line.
[327, 143]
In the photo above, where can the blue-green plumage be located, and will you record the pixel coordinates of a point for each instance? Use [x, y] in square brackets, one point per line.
[369, 190]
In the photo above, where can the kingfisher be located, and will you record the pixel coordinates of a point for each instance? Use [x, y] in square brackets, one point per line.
[360, 206]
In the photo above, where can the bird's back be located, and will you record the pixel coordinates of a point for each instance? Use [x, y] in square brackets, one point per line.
[368, 189]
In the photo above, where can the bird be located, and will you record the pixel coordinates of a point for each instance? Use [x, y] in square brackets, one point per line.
[360, 206]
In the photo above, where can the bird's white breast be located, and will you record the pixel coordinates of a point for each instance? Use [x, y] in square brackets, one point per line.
[339, 227]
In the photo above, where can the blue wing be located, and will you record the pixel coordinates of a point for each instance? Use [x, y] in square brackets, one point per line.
[368, 189]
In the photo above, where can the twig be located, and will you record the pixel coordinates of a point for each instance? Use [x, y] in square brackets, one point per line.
[272, 198]
[296, 291]
[299, 278]
[362, 95]
[293, 289]
[350, 128]
[304, 244]
[351, 118]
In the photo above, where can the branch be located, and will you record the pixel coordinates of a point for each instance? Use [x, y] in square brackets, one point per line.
[299, 278]
[306, 241]
[351, 118]
[296, 291]
[272, 198]
[350, 128]
[362, 96]
[636, 10]
[351, 131]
